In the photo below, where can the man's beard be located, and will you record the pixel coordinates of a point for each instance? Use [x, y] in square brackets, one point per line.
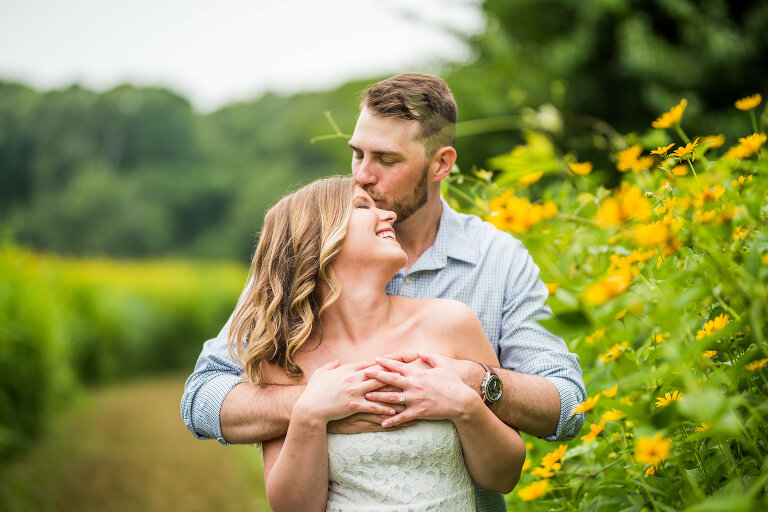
[406, 206]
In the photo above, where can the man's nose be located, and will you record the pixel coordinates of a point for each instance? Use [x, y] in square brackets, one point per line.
[363, 174]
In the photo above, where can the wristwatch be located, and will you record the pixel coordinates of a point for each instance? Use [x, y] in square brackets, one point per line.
[492, 387]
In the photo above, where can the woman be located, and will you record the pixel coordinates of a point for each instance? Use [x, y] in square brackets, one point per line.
[316, 312]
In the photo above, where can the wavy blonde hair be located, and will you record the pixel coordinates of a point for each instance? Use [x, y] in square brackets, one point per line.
[284, 298]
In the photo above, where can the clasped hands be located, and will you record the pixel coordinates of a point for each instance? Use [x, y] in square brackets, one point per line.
[368, 398]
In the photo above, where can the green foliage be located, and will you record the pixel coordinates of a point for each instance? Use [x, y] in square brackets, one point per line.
[65, 322]
[135, 171]
[660, 285]
[608, 61]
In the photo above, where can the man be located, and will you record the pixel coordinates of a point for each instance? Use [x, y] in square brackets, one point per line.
[402, 148]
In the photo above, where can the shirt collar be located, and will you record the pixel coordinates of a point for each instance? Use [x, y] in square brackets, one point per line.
[451, 242]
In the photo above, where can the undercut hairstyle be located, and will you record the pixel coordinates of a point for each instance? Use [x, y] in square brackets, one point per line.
[291, 282]
[417, 97]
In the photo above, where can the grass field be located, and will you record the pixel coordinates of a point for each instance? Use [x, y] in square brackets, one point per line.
[125, 448]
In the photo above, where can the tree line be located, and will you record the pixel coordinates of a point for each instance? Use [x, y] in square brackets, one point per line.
[136, 171]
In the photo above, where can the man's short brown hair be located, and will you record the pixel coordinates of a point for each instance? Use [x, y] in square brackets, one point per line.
[420, 97]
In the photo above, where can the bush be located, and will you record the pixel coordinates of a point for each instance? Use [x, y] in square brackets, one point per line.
[661, 287]
[69, 322]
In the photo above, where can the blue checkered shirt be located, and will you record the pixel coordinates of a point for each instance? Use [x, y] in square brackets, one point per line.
[470, 261]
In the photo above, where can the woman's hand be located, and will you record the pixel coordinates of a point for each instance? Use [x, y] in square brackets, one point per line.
[336, 391]
[431, 391]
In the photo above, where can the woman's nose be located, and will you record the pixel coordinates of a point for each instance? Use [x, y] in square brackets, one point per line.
[387, 216]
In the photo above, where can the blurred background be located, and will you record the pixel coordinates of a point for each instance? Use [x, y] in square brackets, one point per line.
[141, 144]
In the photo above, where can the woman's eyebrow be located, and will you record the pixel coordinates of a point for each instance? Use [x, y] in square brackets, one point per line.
[364, 197]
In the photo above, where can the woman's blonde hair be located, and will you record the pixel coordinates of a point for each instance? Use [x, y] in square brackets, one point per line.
[284, 297]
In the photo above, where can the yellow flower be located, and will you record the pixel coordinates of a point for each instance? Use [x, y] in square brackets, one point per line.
[529, 446]
[581, 168]
[741, 180]
[658, 234]
[671, 117]
[680, 170]
[530, 178]
[620, 314]
[594, 431]
[551, 287]
[612, 415]
[547, 472]
[527, 465]
[600, 333]
[586, 405]
[712, 326]
[626, 401]
[687, 149]
[627, 203]
[657, 338]
[533, 491]
[764, 259]
[749, 102]
[714, 141]
[756, 365]
[610, 393]
[517, 214]
[555, 456]
[607, 288]
[709, 195]
[615, 351]
[739, 233]
[668, 399]
[661, 151]
[650, 471]
[652, 450]
[710, 354]
[703, 427]
[704, 217]
[747, 146]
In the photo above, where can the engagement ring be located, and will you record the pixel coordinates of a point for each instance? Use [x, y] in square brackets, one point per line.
[402, 398]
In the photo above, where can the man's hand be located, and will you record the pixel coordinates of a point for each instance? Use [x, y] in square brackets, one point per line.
[470, 372]
[431, 392]
[366, 422]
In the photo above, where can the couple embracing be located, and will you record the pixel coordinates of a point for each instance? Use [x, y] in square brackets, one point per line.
[386, 349]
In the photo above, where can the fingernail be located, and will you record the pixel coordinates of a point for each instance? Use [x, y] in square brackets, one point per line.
[384, 423]
[367, 395]
[391, 411]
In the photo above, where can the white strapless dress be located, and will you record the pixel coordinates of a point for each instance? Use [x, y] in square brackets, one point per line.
[415, 469]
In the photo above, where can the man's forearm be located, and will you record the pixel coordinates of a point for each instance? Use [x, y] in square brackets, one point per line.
[529, 402]
[252, 414]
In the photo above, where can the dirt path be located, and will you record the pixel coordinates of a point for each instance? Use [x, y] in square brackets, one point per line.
[126, 449]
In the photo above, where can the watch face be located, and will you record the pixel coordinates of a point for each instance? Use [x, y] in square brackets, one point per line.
[494, 388]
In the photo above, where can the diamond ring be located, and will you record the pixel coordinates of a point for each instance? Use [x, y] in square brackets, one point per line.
[402, 398]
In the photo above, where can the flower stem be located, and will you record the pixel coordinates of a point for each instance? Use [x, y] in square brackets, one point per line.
[682, 134]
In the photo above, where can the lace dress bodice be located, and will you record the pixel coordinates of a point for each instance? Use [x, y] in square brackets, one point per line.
[415, 469]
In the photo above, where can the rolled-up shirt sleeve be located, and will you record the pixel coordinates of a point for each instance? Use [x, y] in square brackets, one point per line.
[525, 346]
[215, 374]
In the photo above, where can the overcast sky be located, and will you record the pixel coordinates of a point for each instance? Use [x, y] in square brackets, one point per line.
[218, 51]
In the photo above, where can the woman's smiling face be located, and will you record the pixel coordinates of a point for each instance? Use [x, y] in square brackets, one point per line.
[370, 237]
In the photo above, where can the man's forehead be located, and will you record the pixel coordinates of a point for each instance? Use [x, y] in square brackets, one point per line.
[382, 134]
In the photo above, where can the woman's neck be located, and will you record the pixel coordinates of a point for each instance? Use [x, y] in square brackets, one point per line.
[360, 312]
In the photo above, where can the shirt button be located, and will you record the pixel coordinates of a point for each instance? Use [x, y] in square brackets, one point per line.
[407, 280]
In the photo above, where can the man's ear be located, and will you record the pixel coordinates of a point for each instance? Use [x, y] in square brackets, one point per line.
[442, 162]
